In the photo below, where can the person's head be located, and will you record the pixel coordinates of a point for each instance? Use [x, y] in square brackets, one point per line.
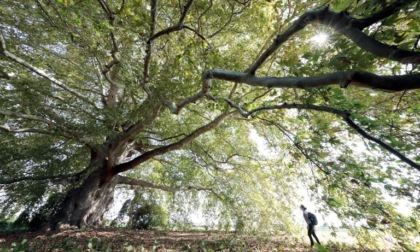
[302, 207]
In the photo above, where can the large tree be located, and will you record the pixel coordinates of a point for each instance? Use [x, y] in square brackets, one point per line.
[100, 93]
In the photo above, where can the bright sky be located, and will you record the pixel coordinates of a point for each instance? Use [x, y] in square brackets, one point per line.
[320, 39]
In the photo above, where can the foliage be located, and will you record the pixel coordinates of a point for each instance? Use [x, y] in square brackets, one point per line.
[6, 226]
[146, 214]
[118, 87]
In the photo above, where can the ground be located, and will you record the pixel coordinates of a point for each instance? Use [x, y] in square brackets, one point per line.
[132, 240]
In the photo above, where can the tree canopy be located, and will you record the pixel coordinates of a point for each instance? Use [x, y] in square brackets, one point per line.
[224, 105]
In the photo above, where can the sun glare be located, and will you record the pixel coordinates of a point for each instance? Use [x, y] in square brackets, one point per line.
[320, 39]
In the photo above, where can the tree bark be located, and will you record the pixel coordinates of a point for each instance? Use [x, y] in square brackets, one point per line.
[85, 205]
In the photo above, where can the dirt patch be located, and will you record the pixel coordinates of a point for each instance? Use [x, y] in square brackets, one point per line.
[131, 240]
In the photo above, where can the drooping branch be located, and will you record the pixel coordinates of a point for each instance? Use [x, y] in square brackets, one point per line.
[297, 145]
[61, 129]
[345, 115]
[36, 119]
[171, 147]
[347, 26]
[384, 145]
[6, 128]
[143, 183]
[41, 178]
[40, 72]
[343, 78]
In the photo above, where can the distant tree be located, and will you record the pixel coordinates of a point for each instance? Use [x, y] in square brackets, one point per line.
[96, 94]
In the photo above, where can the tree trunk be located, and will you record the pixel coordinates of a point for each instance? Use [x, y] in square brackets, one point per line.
[85, 205]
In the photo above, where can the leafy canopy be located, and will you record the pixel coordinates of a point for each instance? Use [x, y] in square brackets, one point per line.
[77, 75]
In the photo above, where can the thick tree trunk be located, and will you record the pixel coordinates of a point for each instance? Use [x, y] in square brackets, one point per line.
[85, 206]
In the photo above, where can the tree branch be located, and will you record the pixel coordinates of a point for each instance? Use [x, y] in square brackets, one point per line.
[113, 90]
[38, 178]
[175, 109]
[40, 72]
[149, 48]
[344, 78]
[142, 183]
[345, 115]
[381, 143]
[177, 27]
[297, 145]
[59, 128]
[171, 147]
[6, 128]
[347, 26]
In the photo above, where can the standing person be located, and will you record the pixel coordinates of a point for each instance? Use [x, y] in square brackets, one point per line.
[311, 222]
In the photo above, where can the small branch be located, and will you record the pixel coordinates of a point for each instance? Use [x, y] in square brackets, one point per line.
[399, 100]
[2, 45]
[175, 109]
[196, 32]
[222, 27]
[177, 27]
[231, 103]
[199, 188]
[343, 78]
[149, 49]
[382, 14]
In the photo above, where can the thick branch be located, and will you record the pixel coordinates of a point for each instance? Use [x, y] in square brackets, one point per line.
[171, 147]
[343, 78]
[345, 115]
[346, 25]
